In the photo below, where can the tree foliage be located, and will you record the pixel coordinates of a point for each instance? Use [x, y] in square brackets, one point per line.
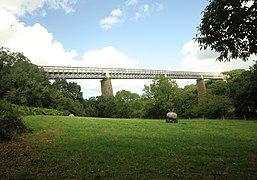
[67, 96]
[11, 123]
[161, 96]
[128, 104]
[213, 106]
[22, 82]
[187, 100]
[229, 27]
[69, 89]
[242, 91]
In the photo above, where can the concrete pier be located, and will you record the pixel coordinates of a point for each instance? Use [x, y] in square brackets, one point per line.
[201, 90]
[106, 87]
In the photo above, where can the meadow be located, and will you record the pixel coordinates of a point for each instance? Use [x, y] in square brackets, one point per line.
[93, 148]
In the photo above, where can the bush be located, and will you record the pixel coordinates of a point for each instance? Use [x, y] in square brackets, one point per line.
[11, 123]
[213, 107]
[25, 111]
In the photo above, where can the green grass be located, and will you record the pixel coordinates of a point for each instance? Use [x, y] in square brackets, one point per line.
[94, 148]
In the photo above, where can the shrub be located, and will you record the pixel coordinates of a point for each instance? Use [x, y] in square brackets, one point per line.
[11, 123]
[25, 110]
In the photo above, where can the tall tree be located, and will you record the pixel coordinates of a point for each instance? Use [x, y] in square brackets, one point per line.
[243, 91]
[69, 89]
[160, 96]
[239, 92]
[127, 104]
[68, 96]
[253, 88]
[214, 106]
[229, 27]
[22, 82]
[186, 101]
[217, 87]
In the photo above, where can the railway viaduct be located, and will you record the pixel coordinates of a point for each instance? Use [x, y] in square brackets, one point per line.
[106, 74]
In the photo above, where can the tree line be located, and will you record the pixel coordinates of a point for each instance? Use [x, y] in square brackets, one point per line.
[24, 84]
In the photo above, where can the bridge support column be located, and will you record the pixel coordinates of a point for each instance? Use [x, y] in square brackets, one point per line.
[201, 90]
[106, 87]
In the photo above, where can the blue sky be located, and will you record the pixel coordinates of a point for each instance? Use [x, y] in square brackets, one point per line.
[155, 34]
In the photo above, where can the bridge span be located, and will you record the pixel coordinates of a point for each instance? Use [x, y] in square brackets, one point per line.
[106, 74]
[67, 72]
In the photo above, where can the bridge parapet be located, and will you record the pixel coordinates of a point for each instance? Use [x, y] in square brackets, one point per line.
[122, 73]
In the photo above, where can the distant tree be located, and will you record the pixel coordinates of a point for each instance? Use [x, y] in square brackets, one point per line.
[229, 27]
[104, 106]
[69, 89]
[68, 96]
[127, 104]
[160, 97]
[100, 107]
[186, 101]
[90, 107]
[214, 106]
[217, 87]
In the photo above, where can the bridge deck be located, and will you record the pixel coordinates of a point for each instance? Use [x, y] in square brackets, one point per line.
[66, 72]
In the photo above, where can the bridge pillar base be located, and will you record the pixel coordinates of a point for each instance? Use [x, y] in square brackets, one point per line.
[201, 90]
[106, 87]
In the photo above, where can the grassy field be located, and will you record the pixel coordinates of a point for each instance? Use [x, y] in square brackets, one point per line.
[94, 148]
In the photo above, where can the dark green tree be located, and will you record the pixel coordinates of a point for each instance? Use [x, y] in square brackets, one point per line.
[242, 91]
[90, 107]
[186, 101]
[67, 96]
[229, 27]
[11, 123]
[217, 87]
[22, 82]
[213, 106]
[100, 107]
[104, 106]
[127, 104]
[160, 97]
[69, 89]
[253, 88]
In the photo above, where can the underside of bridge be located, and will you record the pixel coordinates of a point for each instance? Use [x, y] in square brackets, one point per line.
[107, 91]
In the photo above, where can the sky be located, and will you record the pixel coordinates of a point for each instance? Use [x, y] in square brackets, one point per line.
[145, 34]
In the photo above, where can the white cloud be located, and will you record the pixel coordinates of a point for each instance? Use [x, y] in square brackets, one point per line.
[113, 19]
[116, 13]
[159, 7]
[66, 5]
[34, 41]
[108, 22]
[22, 7]
[147, 9]
[133, 10]
[108, 57]
[195, 59]
[131, 2]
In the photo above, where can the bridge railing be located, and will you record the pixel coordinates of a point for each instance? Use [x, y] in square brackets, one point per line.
[122, 73]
